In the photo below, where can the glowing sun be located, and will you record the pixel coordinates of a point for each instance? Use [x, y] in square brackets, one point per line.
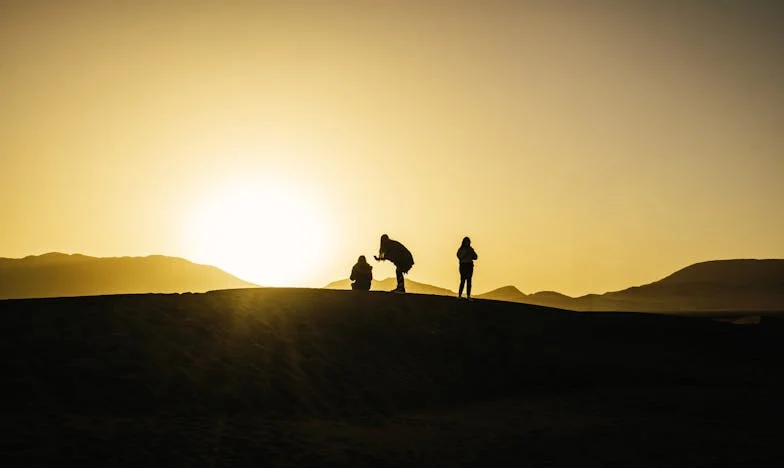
[266, 233]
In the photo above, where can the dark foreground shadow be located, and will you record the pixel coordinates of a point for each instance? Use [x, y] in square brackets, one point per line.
[293, 377]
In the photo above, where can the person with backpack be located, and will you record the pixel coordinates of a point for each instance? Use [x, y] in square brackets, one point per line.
[361, 275]
[466, 256]
[399, 255]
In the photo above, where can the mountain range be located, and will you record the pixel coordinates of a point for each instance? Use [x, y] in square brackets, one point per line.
[741, 285]
[745, 285]
[59, 275]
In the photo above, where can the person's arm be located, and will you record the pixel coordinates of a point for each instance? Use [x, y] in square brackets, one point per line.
[353, 276]
[380, 256]
[473, 254]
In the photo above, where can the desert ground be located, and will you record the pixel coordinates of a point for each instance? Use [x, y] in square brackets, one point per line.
[311, 377]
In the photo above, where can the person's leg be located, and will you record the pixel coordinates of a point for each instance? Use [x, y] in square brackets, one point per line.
[469, 276]
[464, 278]
[400, 284]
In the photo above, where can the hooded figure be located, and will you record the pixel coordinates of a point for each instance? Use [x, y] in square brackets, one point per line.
[466, 256]
[398, 254]
[361, 275]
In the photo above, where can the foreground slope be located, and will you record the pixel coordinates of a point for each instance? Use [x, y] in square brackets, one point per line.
[59, 275]
[300, 377]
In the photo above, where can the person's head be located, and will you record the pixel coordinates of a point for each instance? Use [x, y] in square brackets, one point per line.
[466, 242]
[361, 259]
[384, 238]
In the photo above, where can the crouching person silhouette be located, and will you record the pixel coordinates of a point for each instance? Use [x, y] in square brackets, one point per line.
[361, 275]
[398, 254]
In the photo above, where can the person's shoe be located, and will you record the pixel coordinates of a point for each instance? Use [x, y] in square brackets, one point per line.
[470, 299]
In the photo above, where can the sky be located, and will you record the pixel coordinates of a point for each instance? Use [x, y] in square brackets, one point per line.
[584, 146]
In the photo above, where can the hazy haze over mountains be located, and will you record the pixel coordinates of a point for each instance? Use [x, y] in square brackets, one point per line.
[58, 274]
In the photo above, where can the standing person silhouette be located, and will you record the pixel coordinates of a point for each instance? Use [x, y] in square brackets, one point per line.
[466, 256]
[361, 275]
[398, 254]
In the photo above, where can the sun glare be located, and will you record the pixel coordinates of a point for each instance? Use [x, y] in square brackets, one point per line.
[266, 233]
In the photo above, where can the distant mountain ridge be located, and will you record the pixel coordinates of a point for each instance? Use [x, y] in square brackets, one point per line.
[730, 272]
[716, 285]
[58, 275]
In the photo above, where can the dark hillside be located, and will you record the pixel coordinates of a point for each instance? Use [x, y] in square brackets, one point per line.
[304, 376]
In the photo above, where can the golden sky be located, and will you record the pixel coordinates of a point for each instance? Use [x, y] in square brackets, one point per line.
[584, 146]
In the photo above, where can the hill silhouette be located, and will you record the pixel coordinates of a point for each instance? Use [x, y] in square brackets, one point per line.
[313, 377]
[720, 285]
[59, 275]
[387, 284]
[713, 286]
[733, 273]
[505, 293]
[543, 298]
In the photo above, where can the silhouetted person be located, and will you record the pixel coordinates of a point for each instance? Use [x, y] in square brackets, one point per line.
[361, 275]
[398, 254]
[466, 255]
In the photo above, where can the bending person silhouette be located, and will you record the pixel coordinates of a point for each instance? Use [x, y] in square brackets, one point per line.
[398, 254]
[466, 255]
[361, 275]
